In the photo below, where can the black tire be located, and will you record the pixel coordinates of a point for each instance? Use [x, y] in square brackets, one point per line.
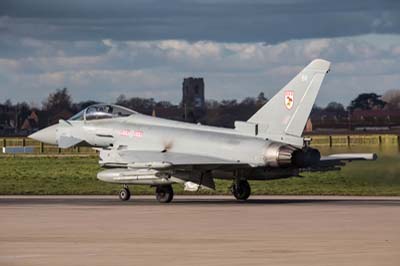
[164, 194]
[241, 190]
[124, 194]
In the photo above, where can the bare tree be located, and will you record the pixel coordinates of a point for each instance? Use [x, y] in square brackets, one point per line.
[58, 101]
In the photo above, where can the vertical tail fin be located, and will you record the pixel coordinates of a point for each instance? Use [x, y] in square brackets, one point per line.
[287, 112]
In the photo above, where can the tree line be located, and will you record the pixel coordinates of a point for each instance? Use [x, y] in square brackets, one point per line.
[59, 105]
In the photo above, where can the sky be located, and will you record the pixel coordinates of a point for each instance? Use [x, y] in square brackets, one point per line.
[100, 49]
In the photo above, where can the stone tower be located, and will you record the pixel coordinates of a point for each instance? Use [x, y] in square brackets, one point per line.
[193, 101]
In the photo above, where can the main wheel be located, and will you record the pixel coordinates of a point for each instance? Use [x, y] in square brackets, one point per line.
[241, 190]
[164, 194]
[124, 194]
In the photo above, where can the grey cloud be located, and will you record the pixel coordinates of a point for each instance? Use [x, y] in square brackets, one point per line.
[231, 70]
[101, 48]
[237, 21]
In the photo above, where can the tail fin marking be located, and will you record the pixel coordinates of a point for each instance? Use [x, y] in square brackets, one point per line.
[287, 112]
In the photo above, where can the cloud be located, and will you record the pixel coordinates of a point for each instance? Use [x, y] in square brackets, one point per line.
[267, 21]
[99, 49]
[231, 70]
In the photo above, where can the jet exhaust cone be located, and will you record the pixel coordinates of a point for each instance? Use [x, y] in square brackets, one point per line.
[306, 157]
[283, 155]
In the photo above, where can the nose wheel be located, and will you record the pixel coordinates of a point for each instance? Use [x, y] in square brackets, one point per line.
[164, 194]
[124, 194]
[241, 190]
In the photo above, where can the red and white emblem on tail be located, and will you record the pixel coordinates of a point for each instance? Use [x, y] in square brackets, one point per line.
[289, 99]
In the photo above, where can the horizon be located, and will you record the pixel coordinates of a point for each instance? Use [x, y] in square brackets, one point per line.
[34, 106]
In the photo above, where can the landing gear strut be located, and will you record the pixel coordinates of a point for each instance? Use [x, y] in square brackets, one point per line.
[241, 190]
[124, 193]
[164, 194]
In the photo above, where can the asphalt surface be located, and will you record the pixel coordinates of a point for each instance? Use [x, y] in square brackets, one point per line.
[199, 230]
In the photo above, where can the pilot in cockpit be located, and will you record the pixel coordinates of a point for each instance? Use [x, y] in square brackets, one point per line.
[109, 109]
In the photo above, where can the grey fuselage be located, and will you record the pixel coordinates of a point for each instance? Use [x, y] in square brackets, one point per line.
[145, 133]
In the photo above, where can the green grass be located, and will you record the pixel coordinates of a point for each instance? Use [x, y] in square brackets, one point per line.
[379, 178]
[77, 175]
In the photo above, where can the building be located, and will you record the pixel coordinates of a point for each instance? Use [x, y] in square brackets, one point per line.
[30, 124]
[193, 100]
[308, 128]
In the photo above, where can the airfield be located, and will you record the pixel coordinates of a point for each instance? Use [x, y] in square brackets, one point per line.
[199, 230]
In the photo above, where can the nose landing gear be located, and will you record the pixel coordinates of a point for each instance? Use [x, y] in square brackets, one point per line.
[124, 193]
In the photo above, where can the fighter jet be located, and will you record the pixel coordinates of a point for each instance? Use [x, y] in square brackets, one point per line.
[137, 149]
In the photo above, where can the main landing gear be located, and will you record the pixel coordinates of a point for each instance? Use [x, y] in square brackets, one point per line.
[164, 194]
[241, 189]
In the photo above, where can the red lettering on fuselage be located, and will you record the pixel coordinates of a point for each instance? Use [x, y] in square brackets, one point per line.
[131, 133]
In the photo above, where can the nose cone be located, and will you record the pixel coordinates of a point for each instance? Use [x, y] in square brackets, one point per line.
[46, 135]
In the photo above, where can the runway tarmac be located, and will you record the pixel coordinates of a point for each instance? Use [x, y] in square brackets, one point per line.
[199, 230]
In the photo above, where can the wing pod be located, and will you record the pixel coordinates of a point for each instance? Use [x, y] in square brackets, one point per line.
[335, 161]
[351, 157]
[133, 176]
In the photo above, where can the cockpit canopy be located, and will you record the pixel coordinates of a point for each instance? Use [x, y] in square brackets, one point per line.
[102, 111]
